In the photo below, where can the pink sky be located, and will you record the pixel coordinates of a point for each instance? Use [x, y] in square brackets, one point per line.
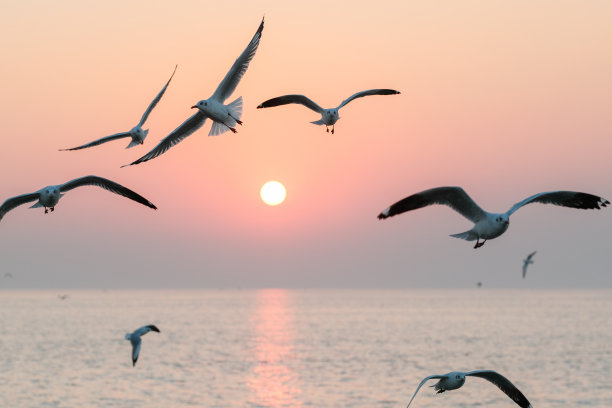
[503, 98]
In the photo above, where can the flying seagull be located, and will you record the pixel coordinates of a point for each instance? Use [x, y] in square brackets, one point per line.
[224, 117]
[328, 116]
[456, 379]
[526, 262]
[137, 134]
[135, 339]
[487, 225]
[49, 196]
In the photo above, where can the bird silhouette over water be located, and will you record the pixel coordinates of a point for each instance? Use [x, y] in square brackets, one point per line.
[456, 379]
[135, 339]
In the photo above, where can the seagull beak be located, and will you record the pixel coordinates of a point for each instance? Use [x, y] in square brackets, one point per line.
[507, 222]
[194, 107]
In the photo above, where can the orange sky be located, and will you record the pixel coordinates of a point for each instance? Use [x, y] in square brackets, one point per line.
[503, 98]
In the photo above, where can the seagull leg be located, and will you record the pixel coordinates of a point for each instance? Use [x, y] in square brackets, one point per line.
[479, 244]
[238, 121]
[326, 129]
[440, 391]
[333, 127]
[46, 210]
[231, 128]
[52, 209]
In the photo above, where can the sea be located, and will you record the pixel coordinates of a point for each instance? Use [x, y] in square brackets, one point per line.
[303, 348]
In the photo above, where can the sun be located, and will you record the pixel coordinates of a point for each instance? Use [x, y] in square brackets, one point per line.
[273, 193]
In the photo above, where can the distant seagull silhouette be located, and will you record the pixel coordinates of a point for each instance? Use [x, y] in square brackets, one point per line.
[49, 196]
[479, 284]
[456, 379]
[224, 117]
[62, 297]
[136, 341]
[328, 116]
[137, 134]
[487, 225]
[526, 262]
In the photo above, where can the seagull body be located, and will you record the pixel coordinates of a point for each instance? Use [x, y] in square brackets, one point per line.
[137, 133]
[329, 117]
[49, 196]
[487, 225]
[135, 339]
[456, 379]
[224, 117]
[526, 262]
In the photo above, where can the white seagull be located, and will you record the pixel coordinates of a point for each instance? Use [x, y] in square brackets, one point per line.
[526, 262]
[328, 116]
[135, 339]
[225, 117]
[456, 379]
[49, 196]
[137, 133]
[487, 225]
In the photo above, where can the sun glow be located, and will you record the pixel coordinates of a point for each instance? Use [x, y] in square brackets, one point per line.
[273, 193]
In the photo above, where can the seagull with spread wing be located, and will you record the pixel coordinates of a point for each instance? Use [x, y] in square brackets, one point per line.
[49, 196]
[526, 262]
[224, 117]
[137, 133]
[487, 225]
[136, 340]
[329, 117]
[456, 379]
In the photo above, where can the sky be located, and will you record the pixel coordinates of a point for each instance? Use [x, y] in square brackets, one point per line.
[505, 99]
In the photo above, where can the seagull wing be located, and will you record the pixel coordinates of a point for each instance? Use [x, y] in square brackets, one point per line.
[570, 199]
[454, 197]
[525, 263]
[107, 185]
[503, 384]
[100, 141]
[13, 202]
[531, 255]
[136, 343]
[230, 82]
[367, 93]
[189, 126]
[286, 99]
[156, 100]
[431, 377]
[145, 329]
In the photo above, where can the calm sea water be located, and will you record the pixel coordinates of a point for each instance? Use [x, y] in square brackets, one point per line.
[304, 348]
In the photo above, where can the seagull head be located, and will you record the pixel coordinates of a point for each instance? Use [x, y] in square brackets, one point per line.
[138, 134]
[203, 105]
[503, 219]
[330, 116]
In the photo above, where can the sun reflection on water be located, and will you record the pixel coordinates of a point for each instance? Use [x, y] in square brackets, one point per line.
[273, 382]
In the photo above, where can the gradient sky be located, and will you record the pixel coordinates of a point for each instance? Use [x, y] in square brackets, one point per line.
[506, 99]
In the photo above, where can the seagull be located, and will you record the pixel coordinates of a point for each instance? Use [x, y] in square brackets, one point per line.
[137, 134]
[456, 379]
[526, 262]
[62, 297]
[479, 284]
[488, 225]
[328, 116]
[48, 197]
[224, 117]
[136, 341]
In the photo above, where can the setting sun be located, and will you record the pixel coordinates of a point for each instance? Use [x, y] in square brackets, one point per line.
[273, 193]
